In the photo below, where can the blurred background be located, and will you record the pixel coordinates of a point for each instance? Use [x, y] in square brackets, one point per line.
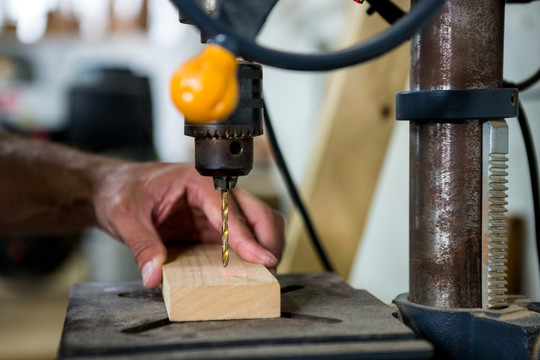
[95, 75]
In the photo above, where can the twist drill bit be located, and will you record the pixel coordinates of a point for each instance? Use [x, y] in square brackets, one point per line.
[224, 227]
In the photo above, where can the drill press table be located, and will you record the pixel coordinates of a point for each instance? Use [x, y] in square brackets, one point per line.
[322, 317]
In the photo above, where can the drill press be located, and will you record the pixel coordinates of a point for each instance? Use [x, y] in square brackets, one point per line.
[224, 147]
[458, 168]
[321, 316]
[224, 150]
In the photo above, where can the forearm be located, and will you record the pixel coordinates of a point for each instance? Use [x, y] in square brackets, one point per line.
[47, 188]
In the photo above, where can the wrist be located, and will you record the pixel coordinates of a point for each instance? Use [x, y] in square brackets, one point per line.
[105, 176]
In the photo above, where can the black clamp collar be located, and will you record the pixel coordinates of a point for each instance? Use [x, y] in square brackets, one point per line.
[480, 104]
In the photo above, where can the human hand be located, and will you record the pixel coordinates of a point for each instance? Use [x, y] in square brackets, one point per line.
[145, 205]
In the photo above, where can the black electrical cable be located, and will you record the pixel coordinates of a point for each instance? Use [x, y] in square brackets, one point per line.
[293, 192]
[533, 173]
[419, 16]
[524, 85]
[391, 13]
[531, 155]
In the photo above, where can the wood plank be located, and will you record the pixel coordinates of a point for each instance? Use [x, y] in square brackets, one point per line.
[197, 287]
[357, 118]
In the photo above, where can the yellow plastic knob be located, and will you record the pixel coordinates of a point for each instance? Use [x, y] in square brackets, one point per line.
[205, 88]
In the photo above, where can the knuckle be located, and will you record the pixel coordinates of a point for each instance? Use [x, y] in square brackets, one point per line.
[141, 249]
[279, 219]
[118, 207]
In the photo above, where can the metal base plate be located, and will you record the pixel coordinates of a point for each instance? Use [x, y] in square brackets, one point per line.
[322, 317]
[509, 333]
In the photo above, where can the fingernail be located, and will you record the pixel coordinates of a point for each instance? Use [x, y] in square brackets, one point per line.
[270, 258]
[147, 271]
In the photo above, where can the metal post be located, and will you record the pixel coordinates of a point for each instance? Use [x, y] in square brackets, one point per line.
[461, 49]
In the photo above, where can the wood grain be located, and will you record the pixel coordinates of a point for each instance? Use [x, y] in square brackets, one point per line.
[197, 287]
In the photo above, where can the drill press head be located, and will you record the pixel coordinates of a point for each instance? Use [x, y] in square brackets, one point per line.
[224, 150]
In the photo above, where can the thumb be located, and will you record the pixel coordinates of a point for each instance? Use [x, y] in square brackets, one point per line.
[147, 249]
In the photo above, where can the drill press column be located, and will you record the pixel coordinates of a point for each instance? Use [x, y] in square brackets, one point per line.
[461, 49]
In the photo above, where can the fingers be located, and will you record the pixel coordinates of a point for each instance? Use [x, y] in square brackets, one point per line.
[148, 251]
[266, 224]
[135, 229]
[243, 240]
[176, 200]
[257, 238]
[150, 254]
[132, 200]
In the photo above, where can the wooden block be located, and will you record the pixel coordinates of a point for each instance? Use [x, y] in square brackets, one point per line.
[196, 286]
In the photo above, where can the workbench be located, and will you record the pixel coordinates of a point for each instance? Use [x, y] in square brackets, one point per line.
[322, 318]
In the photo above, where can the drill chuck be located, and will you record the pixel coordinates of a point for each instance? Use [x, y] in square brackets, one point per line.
[224, 150]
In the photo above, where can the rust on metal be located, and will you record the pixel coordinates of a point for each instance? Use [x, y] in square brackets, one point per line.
[461, 49]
